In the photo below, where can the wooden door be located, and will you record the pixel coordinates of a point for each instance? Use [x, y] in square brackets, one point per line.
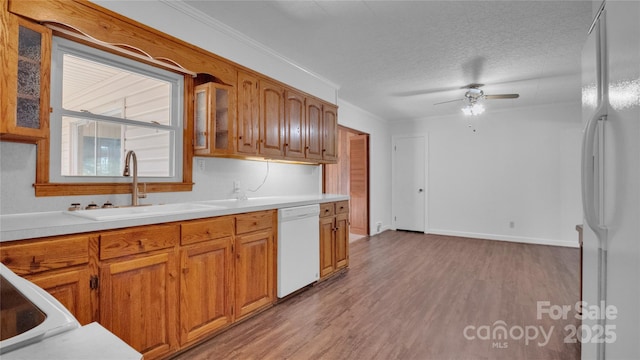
[247, 130]
[271, 119]
[329, 131]
[254, 278]
[314, 132]
[295, 125]
[359, 184]
[350, 176]
[327, 246]
[205, 288]
[138, 303]
[72, 289]
[342, 241]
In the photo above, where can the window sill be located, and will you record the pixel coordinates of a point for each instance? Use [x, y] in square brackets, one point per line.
[62, 189]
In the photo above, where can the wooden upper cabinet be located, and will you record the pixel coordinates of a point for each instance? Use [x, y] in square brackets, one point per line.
[330, 133]
[247, 130]
[25, 58]
[295, 125]
[271, 119]
[278, 122]
[214, 119]
[314, 129]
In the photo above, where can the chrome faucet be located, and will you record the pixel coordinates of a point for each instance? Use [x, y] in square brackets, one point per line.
[135, 194]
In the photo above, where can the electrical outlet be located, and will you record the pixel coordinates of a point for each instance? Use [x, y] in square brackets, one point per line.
[236, 186]
[512, 224]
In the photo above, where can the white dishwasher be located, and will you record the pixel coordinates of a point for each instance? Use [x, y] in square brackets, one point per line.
[298, 248]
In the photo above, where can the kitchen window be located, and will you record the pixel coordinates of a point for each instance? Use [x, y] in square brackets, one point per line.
[105, 105]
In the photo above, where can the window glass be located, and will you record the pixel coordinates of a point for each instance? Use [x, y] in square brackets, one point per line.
[106, 105]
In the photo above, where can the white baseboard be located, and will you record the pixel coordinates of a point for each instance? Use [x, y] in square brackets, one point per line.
[519, 239]
[383, 228]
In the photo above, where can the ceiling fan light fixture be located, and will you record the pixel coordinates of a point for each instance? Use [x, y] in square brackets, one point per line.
[473, 109]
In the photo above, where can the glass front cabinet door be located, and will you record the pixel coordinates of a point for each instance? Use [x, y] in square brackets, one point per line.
[214, 116]
[26, 55]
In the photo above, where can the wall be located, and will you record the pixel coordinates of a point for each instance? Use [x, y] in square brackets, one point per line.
[520, 166]
[181, 21]
[17, 164]
[17, 161]
[379, 161]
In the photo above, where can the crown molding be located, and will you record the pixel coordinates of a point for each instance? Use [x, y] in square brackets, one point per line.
[217, 25]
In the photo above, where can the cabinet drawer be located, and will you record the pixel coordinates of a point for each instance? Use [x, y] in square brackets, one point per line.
[50, 254]
[138, 240]
[327, 209]
[342, 207]
[253, 222]
[202, 230]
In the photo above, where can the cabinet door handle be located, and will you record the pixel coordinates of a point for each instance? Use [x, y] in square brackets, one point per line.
[36, 260]
[141, 243]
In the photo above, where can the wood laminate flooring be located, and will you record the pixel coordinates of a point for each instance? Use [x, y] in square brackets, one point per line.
[411, 296]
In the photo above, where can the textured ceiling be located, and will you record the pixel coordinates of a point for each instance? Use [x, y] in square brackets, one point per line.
[396, 59]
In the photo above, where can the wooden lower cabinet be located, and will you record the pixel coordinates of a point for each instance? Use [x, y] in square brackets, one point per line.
[138, 302]
[254, 272]
[139, 287]
[72, 289]
[342, 241]
[61, 266]
[334, 237]
[327, 246]
[205, 288]
[160, 288]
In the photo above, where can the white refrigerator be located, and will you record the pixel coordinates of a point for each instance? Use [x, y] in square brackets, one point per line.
[611, 183]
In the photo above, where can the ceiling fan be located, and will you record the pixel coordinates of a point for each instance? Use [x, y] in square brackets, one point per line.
[474, 95]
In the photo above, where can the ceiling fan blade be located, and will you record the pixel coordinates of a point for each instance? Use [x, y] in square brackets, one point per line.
[502, 96]
[472, 86]
[445, 102]
[425, 91]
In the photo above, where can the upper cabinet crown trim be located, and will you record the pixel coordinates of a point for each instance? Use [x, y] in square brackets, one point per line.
[105, 25]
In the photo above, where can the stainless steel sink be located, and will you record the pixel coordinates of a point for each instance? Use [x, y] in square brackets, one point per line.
[140, 211]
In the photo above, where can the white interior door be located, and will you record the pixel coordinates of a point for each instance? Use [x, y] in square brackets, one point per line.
[409, 191]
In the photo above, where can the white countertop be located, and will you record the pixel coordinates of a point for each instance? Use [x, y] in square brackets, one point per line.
[43, 224]
[91, 341]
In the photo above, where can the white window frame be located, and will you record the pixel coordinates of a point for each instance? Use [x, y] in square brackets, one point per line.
[60, 47]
